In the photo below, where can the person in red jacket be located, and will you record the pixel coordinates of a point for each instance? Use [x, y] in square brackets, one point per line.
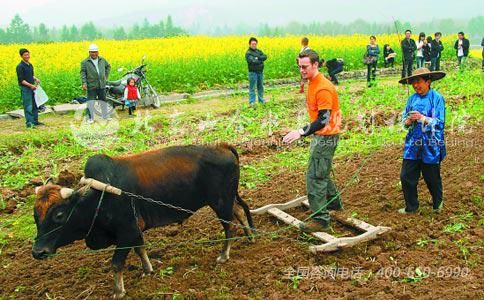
[131, 95]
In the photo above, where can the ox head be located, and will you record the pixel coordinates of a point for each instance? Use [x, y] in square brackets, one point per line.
[53, 211]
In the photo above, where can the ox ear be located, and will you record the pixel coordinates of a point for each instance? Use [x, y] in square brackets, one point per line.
[66, 192]
[37, 189]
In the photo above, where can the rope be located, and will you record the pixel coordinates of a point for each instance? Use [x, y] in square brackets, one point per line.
[96, 212]
[261, 233]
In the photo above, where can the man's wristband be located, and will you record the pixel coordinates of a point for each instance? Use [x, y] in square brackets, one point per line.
[301, 131]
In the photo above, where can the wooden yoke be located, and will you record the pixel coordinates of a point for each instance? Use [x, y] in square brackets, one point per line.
[98, 185]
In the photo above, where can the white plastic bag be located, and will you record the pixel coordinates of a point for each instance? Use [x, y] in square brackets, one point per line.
[40, 96]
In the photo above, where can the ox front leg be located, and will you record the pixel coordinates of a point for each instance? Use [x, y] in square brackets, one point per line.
[119, 259]
[145, 261]
[225, 254]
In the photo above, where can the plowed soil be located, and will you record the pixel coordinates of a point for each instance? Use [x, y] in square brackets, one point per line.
[185, 265]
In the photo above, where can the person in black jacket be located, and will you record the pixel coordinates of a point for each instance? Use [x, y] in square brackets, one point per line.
[388, 60]
[408, 49]
[334, 66]
[436, 48]
[462, 49]
[426, 48]
[255, 60]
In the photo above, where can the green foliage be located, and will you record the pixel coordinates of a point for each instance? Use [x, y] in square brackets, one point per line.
[168, 271]
[454, 228]
[419, 276]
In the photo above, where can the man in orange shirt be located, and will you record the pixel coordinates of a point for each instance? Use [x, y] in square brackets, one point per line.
[325, 116]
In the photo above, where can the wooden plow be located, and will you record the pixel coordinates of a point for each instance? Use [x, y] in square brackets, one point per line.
[331, 243]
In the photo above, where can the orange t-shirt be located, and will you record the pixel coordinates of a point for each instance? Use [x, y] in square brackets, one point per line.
[322, 95]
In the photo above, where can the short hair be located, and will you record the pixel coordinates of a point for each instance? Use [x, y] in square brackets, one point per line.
[313, 55]
[372, 37]
[408, 30]
[305, 41]
[429, 39]
[252, 39]
[22, 51]
[438, 33]
[421, 34]
[460, 32]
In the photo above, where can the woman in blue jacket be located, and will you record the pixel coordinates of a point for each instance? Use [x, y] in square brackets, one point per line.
[424, 149]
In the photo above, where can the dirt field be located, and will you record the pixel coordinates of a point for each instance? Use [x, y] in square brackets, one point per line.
[185, 266]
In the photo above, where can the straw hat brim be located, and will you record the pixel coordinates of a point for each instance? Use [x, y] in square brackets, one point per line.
[423, 72]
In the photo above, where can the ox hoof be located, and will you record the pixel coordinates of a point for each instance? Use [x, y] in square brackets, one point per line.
[147, 272]
[222, 259]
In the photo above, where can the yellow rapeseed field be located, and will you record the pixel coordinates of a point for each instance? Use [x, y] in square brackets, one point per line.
[177, 64]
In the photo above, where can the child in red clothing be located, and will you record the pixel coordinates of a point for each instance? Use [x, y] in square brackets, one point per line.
[131, 96]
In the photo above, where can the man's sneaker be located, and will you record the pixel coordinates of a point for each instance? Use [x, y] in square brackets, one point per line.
[39, 124]
[313, 226]
[403, 211]
[90, 121]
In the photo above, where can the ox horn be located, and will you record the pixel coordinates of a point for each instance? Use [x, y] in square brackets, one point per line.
[66, 192]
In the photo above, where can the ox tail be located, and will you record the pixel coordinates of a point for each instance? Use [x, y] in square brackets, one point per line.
[246, 209]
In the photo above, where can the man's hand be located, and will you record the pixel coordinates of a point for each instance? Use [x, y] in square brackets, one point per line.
[32, 87]
[84, 87]
[36, 80]
[292, 136]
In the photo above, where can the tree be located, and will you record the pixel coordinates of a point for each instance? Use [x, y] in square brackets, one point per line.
[3, 36]
[169, 26]
[119, 34]
[18, 31]
[73, 33]
[43, 33]
[88, 32]
[64, 36]
[475, 26]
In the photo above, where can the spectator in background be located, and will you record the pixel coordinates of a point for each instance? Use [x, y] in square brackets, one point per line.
[462, 49]
[334, 66]
[388, 56]
[372, 50]
[26, 82]
[408, 51]
[426, 49]
[436, 48]
[420, 45]
[94, 74]
[304, 46]
[482, 45]
[255, 60]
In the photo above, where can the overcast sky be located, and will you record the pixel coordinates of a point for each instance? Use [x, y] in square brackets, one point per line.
[231, 12]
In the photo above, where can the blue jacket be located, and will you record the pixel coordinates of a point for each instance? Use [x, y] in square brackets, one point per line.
[426, 141]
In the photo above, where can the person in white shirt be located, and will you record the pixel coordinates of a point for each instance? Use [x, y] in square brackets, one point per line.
[420, 54]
